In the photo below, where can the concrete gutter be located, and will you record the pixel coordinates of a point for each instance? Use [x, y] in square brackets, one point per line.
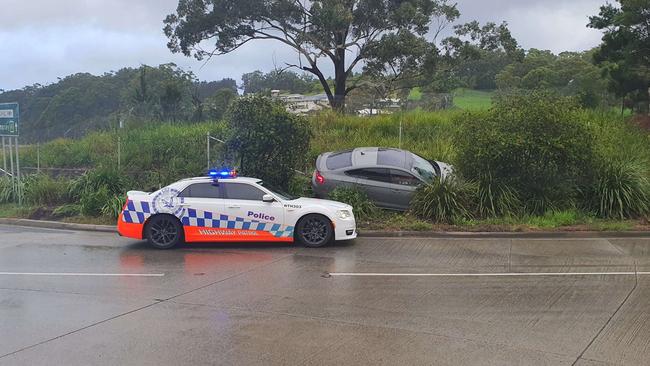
[58, 225]
[371, 233]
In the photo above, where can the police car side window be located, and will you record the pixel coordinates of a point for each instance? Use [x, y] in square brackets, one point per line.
[241, 191]
[201, 190]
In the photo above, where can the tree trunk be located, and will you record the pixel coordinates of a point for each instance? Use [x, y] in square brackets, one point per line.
[340, 80]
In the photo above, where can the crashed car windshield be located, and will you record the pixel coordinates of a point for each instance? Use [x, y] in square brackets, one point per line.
[423, 169]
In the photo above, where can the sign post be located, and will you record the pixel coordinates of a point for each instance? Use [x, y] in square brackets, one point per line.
[9, 121]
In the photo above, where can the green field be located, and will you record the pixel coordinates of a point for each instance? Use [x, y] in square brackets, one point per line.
[468, 99]
[465, 99]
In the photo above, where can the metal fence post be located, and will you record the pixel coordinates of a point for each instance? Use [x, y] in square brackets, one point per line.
[18, 185]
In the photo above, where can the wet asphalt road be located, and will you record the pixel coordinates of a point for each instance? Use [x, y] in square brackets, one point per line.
[273, 305]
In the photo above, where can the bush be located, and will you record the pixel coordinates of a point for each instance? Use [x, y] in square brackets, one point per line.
[300, 186]
[621, 190]
[92, 181]
[6, 190]
[362, 206]
[114, 206]
[447, 200]
[495, 199]
[270, 141]
[93, 202]
[40, 189]
[67, 210]
[536, 144]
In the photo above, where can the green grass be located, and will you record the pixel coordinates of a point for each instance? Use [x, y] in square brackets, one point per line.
[470, 100]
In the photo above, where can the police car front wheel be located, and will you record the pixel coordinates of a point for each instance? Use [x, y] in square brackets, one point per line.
[314, 231]
[164, 231]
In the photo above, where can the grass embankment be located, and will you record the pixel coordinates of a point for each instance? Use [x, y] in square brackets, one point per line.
[158, 154]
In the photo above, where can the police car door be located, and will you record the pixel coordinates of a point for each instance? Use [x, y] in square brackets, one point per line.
[243, 203]
[203, 205]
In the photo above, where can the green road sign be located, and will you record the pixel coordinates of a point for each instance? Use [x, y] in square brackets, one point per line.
[9, 117]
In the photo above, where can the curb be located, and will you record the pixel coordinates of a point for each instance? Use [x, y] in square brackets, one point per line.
[373, 233]
[58, 225]
[505, 235]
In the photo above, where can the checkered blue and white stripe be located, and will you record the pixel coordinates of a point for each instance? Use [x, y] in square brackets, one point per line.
[139, 212]
[136, 212]
[199, 218]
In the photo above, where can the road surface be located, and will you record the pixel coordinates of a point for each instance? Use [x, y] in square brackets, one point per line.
[80, 298]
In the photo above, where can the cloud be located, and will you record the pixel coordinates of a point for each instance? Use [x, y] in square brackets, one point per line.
[43, 40]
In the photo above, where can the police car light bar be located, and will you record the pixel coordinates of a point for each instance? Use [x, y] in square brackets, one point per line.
[222, 173]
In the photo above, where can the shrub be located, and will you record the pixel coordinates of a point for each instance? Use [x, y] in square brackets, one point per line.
[300, 186]
[362, 206]
[495, 199]
[93, 202]
[447, 200]
[536, 144]
[113, 181]
[6, 190]
[270, 141]
[41, 189]
[621, 190]
[67, 210]
[114, 206]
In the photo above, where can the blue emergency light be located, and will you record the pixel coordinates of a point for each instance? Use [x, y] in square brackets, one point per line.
[223, 173]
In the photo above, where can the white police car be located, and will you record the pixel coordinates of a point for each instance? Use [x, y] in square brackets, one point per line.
[225, 208]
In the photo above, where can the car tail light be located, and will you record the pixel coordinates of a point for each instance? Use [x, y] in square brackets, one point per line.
[319, 178]
[125, 204]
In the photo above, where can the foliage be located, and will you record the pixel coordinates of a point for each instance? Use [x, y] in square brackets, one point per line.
[362, 206]
[446, 200]
[82, 103]
[300, 186]
[43, 190]
[534, 144]
[218, 104]
[283, 80]
[6, 190]
[625, 52]
[475, 54]
[95, 180]
[569, 74]
[93, 202]
[554, 219]
[113, 207]
[67, 210]
[621, 190]
[316, 29]
[495, 199]
[270, 141]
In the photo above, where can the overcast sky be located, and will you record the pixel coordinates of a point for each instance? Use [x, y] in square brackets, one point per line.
[43, 39]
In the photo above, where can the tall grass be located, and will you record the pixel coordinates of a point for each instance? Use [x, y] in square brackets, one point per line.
[424, 133]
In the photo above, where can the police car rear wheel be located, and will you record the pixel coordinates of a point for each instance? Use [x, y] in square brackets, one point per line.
[314, 231]
[164, 232]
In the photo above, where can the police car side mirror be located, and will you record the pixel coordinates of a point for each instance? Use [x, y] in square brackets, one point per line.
[268, 198]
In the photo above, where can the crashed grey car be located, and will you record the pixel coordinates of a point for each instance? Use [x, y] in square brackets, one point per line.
[388, 176]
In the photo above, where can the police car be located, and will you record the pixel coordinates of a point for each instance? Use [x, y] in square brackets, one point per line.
[222, 207]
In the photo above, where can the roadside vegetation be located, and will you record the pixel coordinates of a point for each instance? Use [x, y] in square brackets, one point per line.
[529, 162]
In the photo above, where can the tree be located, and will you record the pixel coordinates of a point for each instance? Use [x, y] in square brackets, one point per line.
[260, 132]
[218, 104]
[278, 79]
[316, 30]
[475, 54]
[625, 50]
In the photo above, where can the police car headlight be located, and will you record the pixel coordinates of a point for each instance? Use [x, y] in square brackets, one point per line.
[344, 214]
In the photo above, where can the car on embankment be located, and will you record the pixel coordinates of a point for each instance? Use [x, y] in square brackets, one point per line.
[388, 176]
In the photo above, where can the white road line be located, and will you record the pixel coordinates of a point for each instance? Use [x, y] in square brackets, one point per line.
[82, 274]
[513, 274]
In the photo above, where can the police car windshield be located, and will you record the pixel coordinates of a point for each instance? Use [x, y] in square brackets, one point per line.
[278, 192]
